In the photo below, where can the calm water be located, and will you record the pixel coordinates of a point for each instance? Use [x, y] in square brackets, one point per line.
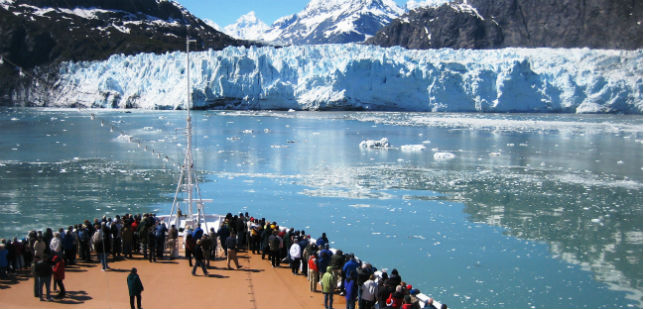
[505, 211]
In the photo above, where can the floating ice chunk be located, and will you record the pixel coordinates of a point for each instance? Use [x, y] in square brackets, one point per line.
[620, 162]
[494, 154]
[360, 205]
[413, 148]
[267, 131]
[443, 156]
[248, 131]
[14, 119]
[426, 142]
[124, 138]
[383, 143]
[596, 220]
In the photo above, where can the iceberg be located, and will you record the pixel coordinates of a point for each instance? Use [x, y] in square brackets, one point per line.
[413, 148]
[443, 156]
[357, 77]
[383, 143]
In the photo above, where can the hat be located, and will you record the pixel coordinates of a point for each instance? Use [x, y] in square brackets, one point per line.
[409, 287]
[414, 291]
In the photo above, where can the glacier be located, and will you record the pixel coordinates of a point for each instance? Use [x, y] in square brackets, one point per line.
[356, 77]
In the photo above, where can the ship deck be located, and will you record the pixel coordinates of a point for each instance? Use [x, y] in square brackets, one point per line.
[169, 284]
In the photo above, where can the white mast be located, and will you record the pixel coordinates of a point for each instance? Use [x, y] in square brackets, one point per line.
[187, 173]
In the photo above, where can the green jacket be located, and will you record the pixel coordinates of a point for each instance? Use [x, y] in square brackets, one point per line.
[135, 287]
[328, 281]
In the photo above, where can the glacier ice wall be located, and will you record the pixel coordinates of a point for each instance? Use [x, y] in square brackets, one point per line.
[358, 77]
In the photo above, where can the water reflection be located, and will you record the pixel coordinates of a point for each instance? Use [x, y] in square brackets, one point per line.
[36, 195]
[595, 223]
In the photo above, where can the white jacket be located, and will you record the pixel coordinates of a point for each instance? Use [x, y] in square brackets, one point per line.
[56, 245]
[294, 251]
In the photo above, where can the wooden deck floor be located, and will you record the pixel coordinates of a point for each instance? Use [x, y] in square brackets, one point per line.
[169, 284]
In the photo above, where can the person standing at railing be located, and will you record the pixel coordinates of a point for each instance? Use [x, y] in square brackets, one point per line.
[274, 247]
[58, 270]
[42, 277]
[312, 274]
[324, 258]
[369, 292]
[127, 237]
[295, 255]
[350, 290]
[328, 283]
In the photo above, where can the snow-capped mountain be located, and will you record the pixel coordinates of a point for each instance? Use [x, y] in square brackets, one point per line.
[358, 77]
[412, 4]
[247, 27]
[213, 25]
[333, 21]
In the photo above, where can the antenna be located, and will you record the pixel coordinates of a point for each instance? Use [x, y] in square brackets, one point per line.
[187, 175]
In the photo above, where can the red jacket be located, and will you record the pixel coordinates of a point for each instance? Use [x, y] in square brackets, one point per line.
[58, 268]
[394, 301]
[312, 263]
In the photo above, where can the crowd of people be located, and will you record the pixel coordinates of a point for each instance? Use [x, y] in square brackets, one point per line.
[48, 252]
[337, 273]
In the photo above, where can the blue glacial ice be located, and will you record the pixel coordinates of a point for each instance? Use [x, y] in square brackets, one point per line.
[360, 77]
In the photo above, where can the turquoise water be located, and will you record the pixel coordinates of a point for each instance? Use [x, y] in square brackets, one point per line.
[504, 211]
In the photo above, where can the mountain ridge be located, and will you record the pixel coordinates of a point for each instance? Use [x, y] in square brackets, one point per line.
[512, 23]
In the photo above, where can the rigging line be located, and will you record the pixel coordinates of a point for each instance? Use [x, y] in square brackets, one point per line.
[140, 143]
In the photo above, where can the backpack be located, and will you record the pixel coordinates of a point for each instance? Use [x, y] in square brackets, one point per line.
[96, 238]
[83, 235]
[275, 243]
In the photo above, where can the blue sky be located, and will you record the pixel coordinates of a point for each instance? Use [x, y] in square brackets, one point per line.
[225, 12]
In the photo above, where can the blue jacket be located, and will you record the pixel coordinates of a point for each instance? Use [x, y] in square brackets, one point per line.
[223, 233]
[320, 242]
[4, 262]
[350, 267]
[68, 242]
[197, 233]
[350, 290]
[161, 229]
[324, 257]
